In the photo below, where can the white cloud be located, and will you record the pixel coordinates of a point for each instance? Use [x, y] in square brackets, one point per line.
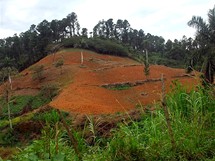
[167, 18]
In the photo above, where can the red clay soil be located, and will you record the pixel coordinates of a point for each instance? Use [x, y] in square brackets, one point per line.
[81, 84]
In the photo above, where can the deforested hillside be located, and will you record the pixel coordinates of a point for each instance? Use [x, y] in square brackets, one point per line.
[98, 84]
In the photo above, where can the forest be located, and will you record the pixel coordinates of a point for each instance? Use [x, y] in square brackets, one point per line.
[111, 37]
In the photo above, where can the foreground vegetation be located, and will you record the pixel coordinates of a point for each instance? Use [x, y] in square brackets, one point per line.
[192, 120]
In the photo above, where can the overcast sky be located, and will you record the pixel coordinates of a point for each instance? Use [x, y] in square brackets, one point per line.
[166, 18]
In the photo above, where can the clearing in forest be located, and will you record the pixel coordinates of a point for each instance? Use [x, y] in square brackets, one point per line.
[103, 84]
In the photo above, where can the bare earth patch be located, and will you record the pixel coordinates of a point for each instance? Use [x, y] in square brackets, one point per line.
[81, 85]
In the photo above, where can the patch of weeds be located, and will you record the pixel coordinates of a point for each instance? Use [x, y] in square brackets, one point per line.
[49, 91]
[37, 72]
[50, 116]
[18, 105]
[118, 87]
[22, 104]
[39, 101]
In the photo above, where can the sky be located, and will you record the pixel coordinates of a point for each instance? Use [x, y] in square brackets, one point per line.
[166, 18]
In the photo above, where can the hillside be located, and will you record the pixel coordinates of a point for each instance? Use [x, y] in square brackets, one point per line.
[82, 86]
[104, 86]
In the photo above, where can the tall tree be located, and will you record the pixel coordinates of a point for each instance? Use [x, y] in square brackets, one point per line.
[72, 22]
[126, 29]
[118, 29]
[55, 28]
[205, 35]
[109, 28]
[45, 33]
[84, 32]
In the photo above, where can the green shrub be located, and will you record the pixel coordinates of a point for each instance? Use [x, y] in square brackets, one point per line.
[37, 72]
[119, 87]
[50, 117]
[59, 64]
[103, 46]
[49, 91]
[18, 104]
[47, 148]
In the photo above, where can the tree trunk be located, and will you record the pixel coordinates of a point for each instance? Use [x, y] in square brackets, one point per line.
[209, 72]
[8, 108]
[166, 113]
[82, 58]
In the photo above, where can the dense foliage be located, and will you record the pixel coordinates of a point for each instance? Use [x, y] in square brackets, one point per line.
[109, 37]
[192, 122]
[103, 46]
[205, 37]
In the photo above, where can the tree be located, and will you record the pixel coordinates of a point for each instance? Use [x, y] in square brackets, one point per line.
[84, 32]
[126, 30]
[109, 28]
[100, 29]
[72, 23]
[118, 29]
[146, 65]
[63, 28]
[8, 71]
[45, 34]
[55, 28]
[205, 36]
[7, 93]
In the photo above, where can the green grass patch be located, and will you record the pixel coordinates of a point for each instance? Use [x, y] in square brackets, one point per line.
[50, 116]
[22, 104]
[118, 87]
[17, 105]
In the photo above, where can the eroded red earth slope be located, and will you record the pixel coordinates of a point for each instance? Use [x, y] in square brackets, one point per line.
[81, 84]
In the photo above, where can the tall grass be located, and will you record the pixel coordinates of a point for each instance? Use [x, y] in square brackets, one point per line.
[192, 119]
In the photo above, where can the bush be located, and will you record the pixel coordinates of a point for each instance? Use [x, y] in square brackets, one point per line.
[47, 148]
[37, 72]
[50, 117]
[59, 64]
[18, 105]
[49, 91]
[103, 46]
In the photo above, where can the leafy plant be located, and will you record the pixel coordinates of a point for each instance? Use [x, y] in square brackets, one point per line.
[50, 117]
[45, 148]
